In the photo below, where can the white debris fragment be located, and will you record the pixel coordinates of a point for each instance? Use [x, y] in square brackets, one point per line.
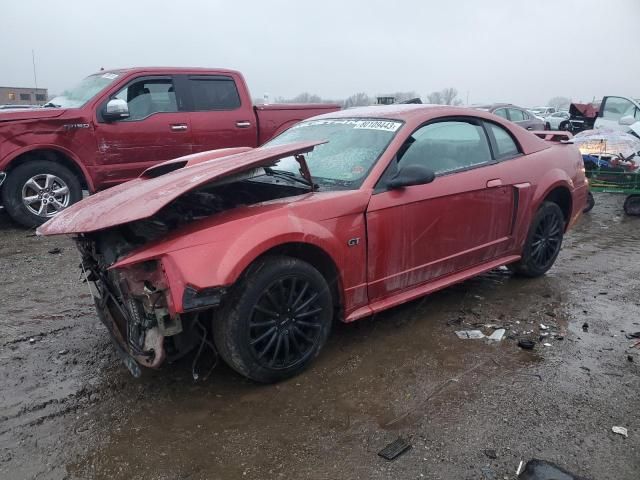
[543, 327]
[546, 344]
[473, 334]
[497, 335]
[620, 431]
[519, 467]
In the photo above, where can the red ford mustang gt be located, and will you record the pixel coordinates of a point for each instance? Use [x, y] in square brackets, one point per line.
[341, 216]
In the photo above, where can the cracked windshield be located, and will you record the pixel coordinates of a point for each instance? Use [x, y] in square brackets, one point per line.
[353, 148]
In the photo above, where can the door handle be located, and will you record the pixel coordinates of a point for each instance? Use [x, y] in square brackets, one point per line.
[496, 182]
[243, 124]
[529, 128]
[179, 127]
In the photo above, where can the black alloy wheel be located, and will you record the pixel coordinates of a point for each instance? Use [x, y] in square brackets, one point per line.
[543, 242]
[285, 324]
[275, 320]
[546, 240]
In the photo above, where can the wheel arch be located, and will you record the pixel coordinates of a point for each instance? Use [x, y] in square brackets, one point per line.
[54, 154]
[315, 256]
[561, 196]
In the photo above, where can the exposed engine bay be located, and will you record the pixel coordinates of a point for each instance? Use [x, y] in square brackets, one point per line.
[134, 302]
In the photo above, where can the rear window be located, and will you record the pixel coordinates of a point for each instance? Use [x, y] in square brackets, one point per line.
[214, 93]
[505, 144]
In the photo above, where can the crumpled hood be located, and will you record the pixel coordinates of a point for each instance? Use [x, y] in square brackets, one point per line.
[145, 196]
[30, 114]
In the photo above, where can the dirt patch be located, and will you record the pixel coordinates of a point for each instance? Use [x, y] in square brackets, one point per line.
[69, 409]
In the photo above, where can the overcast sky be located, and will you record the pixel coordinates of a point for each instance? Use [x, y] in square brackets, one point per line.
[523, 52]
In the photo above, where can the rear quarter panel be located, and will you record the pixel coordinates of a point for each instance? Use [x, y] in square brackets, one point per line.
[536, 175]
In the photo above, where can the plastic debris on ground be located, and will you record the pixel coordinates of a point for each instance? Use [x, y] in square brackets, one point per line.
[469, 334]
[497, 335]
[526, 344]
[543, 327]
[395, 449]
[542, 470]
[491, 453]
[620, 431]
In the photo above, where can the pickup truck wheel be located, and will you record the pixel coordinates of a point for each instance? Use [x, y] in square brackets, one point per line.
[35, 191]
[275, 321]
[543, 242]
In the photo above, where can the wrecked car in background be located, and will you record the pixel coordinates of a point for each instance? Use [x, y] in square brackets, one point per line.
[339, 217]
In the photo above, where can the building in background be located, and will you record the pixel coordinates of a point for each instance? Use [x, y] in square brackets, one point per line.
[22, 96]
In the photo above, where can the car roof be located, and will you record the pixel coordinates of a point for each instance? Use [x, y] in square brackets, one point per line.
[404, 112]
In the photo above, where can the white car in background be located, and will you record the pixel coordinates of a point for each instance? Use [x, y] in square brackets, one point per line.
[543, 112]
[554, 120]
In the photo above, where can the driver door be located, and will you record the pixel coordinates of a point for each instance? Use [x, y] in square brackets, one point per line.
[463, 218]
[156, 130]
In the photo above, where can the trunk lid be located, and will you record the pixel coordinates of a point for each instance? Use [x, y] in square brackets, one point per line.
[145, 196]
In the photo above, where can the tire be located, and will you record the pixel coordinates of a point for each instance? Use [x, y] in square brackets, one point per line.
[547, 126]
[39, 186]
[543, 242]
[564, 126]
[255, 333]
[632, 205]
[591, 202]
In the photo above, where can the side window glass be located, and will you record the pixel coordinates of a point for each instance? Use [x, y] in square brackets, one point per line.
[516, 115]
[214, 93]
[616, 107]
[149, 96]
[501, 112]
[505, 144]
[446, 147]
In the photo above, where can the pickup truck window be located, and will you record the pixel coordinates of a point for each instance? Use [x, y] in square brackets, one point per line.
[214, 93]
[83, 92]
[148, 96]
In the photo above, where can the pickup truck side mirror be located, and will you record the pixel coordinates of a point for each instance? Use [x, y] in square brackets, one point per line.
[627, 120]
[411, 175]
[116, 109]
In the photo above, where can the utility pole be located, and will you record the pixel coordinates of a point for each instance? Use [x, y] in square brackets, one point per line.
[33, 60]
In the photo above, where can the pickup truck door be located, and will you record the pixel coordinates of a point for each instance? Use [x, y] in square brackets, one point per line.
[612, 109]
[220, 112]
[463, 218]
[156, 130]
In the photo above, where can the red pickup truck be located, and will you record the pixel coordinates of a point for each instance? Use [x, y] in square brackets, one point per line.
[117, 123]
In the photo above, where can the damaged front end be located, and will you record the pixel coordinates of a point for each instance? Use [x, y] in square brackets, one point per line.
[134, 303]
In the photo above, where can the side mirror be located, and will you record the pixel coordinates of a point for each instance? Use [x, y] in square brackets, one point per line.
[627, 120]
[116, 109]
[411, 175]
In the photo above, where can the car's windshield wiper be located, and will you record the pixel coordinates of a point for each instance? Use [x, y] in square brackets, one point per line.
[51, 105]
[287, 175]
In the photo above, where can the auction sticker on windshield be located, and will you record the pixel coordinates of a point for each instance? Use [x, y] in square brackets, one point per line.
[385, 125]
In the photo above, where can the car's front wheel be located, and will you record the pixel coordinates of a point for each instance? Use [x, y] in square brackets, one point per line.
[543, 242]
[276, 319]
[35, 191]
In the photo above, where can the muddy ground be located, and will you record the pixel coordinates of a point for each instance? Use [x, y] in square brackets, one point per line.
[69, 409]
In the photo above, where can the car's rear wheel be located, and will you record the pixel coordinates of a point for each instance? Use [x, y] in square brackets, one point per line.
[543, 242]
[35, 191]
[591, 202]
[632, 205]
[276, 319]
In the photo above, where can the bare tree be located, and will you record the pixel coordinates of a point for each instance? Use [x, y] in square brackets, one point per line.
[357, 100]
[560, 103]
[446, 96]
[435, 98]
[306, 97]
[450, 96]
